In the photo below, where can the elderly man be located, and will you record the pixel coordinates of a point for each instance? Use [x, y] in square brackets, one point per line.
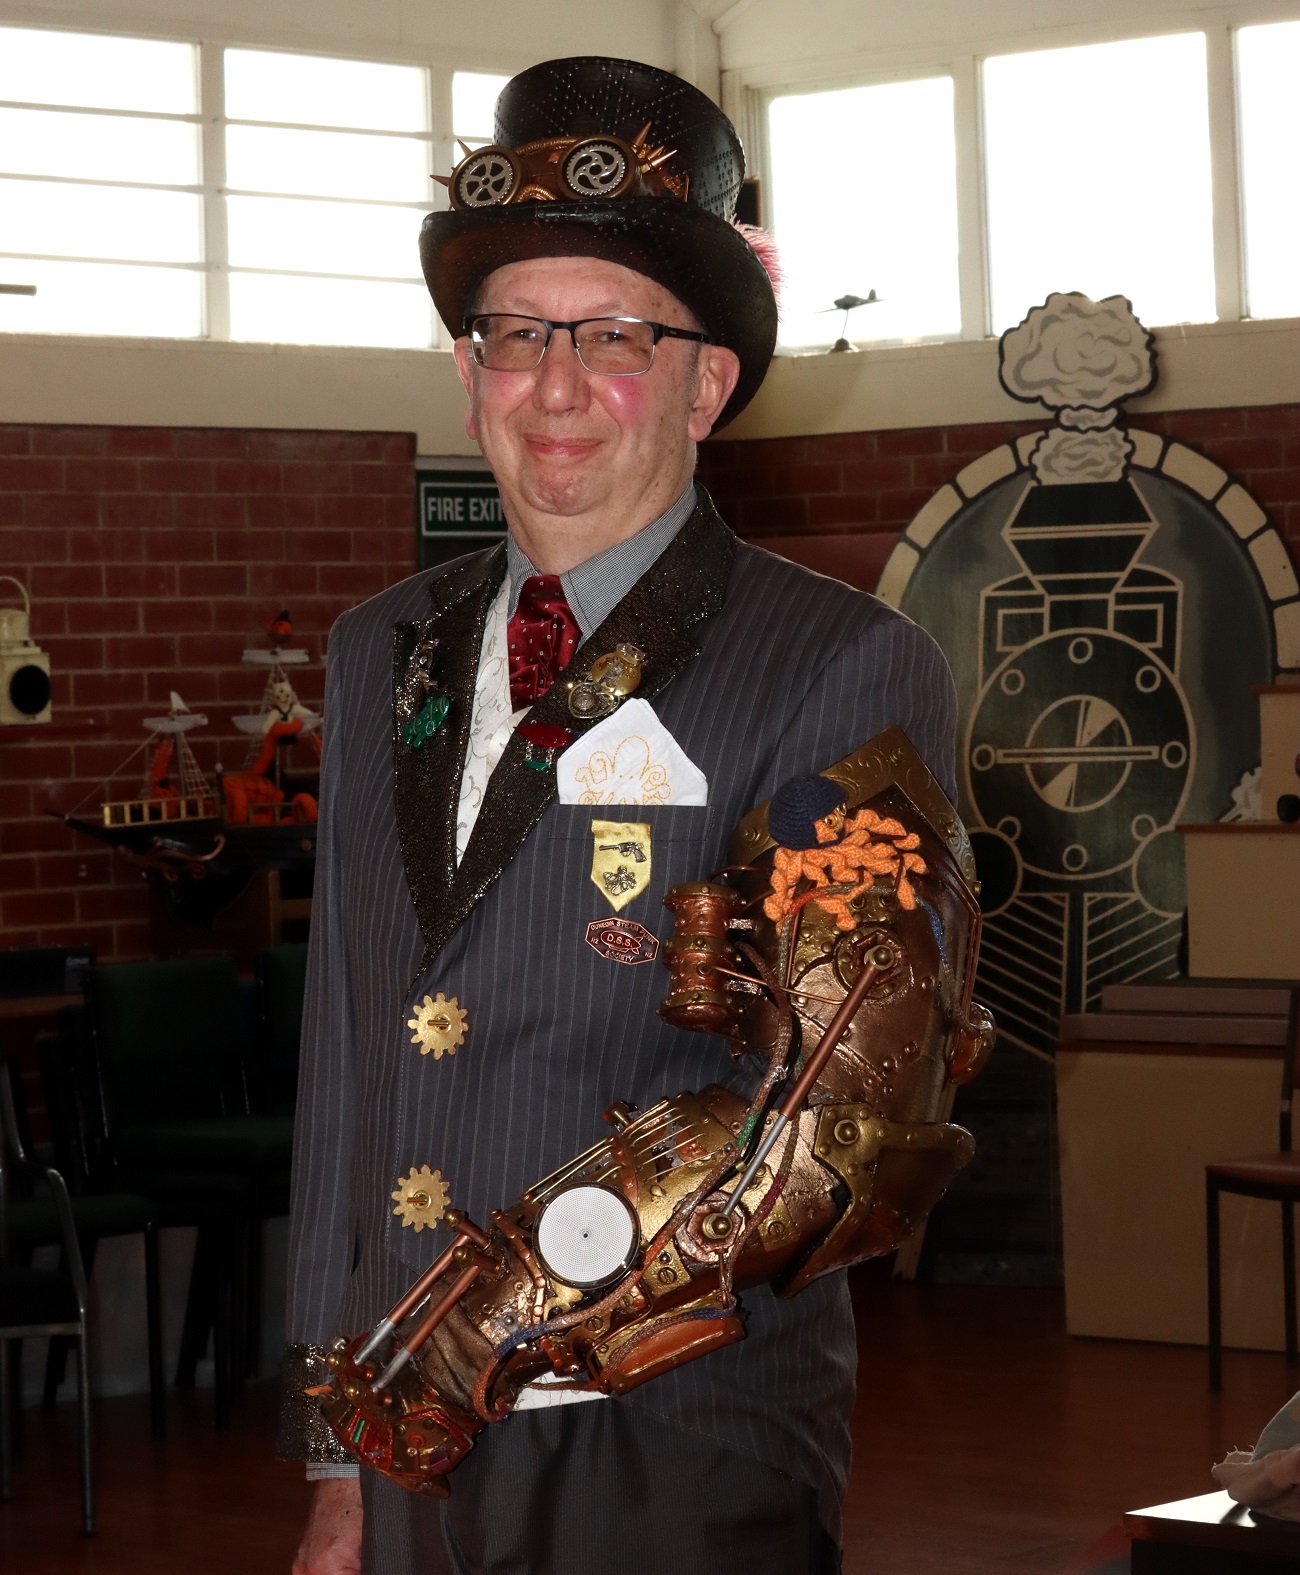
[609, 317]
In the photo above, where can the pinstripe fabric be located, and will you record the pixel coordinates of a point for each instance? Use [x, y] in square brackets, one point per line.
[794, 672]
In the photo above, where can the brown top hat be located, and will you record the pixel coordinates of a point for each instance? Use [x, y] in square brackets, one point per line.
[596, 157]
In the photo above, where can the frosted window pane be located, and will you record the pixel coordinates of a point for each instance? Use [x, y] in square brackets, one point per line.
[473, 104]
[98, 147]
[102, 298]
[1098, 177]
[324, 237]
[327, 164]
[892, 228]
[1268, 69]
[97, 72]
[100, 221]
[311, 91]
[329, 311]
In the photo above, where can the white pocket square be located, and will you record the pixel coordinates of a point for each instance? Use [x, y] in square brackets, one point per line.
[630, 758]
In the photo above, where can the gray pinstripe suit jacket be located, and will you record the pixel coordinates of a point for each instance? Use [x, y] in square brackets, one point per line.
[760, 670]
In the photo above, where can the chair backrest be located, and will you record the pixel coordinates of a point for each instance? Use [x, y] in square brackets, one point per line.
[281, 978]
[168, 1036]
[1290, 1068]
[43, 970]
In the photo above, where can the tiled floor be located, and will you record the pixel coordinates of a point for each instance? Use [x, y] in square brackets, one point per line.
[987, 1440]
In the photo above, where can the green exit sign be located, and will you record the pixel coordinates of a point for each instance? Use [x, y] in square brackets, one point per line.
[457, 506]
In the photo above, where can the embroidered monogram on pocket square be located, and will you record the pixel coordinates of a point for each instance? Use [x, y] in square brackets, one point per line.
[630, 758]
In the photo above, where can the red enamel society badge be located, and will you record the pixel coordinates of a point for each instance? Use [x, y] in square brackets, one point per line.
[622, 940]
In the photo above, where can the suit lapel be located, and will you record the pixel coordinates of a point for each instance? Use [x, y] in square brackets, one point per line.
[661, 614]
[427, 779]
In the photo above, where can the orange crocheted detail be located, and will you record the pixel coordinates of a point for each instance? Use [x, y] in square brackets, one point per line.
[837, 871]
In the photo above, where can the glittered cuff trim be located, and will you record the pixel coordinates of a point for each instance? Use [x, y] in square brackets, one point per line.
[304, 1434]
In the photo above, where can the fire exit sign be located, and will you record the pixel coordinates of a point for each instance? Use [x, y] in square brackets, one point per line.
[457, 506]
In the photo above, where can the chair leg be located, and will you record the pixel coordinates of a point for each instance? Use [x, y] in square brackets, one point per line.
[87, 1471]
[198, 1310]
[253, 1293]
[1212, 1284]
[6, 1426]
[223, 1304]
[153, 1322]
[1288, 1279]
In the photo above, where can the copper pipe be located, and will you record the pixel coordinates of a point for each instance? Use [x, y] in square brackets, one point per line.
[406, 1351]
[459, 1222]
[815, 1065]
[387, 1325]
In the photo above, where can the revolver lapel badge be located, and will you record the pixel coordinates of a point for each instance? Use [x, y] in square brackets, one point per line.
[620, 860]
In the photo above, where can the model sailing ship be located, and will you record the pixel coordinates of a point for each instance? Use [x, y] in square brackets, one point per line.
[261, 816]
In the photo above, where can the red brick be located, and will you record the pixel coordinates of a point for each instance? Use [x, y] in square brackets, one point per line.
[841, 445]
[320, 477]
[396, 448]
[980, 438]
[176, 475]
[300, 513]
[15, 800]
[350, 513]
[68, 440]
[15, 440]
[181, 546]
[219, 512]
[105, 546]
[75, 868]
[102, 475]
[142, 442]
[11, 508]
[282, 579]
[773, 515]
[141, 650]
[30, 474]
[147, 510]
[265, 512]
[335, 546]
[140, 579]
[175, 616]
[354, 579]
[1273, 487]
[210, 442]
[842, 509]
[877, 475]
[236, 615]
[26, 909]
[63, 510]
[1272, 418]
[247, 476]
[32, 760]
[32, 836]
[910, 440]
[108, 688]
[1195, 427]
[383, 479]
[213, 579]
[901, 508]
[1244, 455]
[933, 470]
[18, 874]
[245, 546]
[207, 650]
[73, 651]
[65, 580]
[109, 617]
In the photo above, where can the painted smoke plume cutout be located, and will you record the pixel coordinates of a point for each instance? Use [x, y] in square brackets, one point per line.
[1081, 358]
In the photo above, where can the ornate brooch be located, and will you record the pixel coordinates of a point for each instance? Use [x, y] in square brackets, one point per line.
[422, 709]
[612, 679]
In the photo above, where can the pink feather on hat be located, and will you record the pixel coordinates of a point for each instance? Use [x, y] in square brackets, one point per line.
[763, 245]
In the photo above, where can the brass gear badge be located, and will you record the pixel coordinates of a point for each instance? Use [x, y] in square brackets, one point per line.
[440, 1026]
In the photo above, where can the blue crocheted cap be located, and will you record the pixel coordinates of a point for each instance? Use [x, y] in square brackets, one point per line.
[795, 806]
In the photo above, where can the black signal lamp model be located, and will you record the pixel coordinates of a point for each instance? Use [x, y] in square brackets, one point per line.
[24, 667]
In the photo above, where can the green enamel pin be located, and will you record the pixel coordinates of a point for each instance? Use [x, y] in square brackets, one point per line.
[422, 728]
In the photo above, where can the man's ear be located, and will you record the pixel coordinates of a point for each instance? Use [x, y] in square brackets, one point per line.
[464, 369]
[717, 372]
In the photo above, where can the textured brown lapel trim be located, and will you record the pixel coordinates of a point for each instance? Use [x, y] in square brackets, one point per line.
[427, 779]
[661, 613]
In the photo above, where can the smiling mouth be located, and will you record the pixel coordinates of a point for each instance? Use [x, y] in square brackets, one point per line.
[562, 448]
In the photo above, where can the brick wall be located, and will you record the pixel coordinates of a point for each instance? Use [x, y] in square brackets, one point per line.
[153, 557]
[839, 503]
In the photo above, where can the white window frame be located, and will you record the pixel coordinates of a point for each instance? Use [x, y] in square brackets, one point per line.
[214, 264]
[748, 93]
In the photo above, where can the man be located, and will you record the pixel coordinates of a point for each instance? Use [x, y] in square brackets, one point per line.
[609, 318]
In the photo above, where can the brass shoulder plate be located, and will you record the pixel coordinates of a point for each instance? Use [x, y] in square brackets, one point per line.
[887, 760]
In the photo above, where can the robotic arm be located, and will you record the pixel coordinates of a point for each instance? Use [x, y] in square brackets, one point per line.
[839, 945]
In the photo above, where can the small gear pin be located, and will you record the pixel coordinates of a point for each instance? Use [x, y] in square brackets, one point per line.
[440, 1026]
[421, 1198]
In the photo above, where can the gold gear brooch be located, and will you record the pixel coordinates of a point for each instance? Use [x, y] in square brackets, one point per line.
[440, 1026]
[421, 1198]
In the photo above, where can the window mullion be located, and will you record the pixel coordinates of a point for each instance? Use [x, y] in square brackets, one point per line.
[972, 233]
[1225, 175]
[216, 253]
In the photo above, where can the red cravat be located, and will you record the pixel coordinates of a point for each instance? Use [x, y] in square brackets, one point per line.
[542, 637]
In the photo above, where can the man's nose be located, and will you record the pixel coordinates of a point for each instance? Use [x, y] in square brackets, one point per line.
[561, 378]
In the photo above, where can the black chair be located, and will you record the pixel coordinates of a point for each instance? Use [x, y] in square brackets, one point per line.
[169, 1044]
[1271, 1176]
[98, 1211]
[281, 985]
[39, 1303]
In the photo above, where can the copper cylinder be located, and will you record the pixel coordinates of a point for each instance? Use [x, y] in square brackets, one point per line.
[696, 955]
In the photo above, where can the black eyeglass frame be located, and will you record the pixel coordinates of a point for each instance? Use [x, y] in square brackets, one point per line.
[661, 331]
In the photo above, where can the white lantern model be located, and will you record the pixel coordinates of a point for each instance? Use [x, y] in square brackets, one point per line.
[24, 667]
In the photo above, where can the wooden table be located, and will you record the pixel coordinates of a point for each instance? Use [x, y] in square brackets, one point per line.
[1210, 1535]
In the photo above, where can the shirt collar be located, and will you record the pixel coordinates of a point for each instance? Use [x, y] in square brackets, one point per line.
[595, 587]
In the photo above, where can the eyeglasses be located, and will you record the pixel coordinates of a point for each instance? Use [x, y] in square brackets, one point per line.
[610, 346]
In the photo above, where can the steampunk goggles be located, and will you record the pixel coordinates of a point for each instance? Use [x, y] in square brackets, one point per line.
[563, 169]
